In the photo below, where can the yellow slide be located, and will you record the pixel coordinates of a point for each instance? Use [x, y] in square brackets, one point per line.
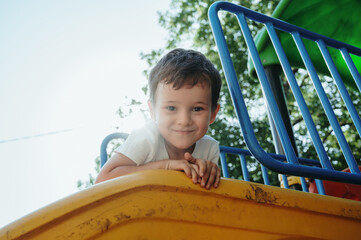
[161, 204]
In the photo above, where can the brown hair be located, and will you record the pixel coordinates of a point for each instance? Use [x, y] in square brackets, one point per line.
[181, 66]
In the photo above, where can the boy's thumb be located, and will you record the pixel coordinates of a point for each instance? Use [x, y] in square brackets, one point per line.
[189, 157]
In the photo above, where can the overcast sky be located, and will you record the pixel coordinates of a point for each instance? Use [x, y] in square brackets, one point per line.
[65, 68]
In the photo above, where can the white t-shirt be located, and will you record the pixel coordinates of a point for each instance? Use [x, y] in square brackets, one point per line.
[146, 145]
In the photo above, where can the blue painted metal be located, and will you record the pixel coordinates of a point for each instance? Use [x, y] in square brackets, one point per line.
[320, 188]
[331, 115]
[341, 86]
[285, 181]
[293, 165]
[304, 184]
[222, 155]
[244, 167]
[243, 153]
[265, 175]
[104, 144]
[299, 97]
[289, 151]
[277, 157]
[350, 64]
[321, 152]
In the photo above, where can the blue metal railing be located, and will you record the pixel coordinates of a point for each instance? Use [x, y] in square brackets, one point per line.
[104, 145]
[243, 154]
[224, 151]
[293, 166]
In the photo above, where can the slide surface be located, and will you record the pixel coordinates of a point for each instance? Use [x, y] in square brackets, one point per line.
[161, 204]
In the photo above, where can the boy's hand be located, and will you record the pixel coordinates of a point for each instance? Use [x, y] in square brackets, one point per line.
[209, 172]
[191, 170]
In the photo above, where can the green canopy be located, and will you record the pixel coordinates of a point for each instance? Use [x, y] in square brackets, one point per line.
[337, 19]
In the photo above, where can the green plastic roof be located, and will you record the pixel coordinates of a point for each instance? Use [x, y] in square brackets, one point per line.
[337, 19]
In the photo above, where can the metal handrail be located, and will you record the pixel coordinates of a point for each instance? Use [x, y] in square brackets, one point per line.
[293, 165]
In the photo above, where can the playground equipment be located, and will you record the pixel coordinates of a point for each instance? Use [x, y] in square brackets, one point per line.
[166, 205]
[292, 166]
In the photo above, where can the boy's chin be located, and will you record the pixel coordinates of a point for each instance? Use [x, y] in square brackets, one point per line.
[183, 147]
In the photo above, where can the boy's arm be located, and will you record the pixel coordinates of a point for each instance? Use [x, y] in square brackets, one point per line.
[120, 164]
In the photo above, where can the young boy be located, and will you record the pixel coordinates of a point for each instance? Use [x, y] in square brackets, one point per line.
[184, 90]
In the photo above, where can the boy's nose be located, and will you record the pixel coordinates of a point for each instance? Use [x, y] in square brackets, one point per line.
[184, 118]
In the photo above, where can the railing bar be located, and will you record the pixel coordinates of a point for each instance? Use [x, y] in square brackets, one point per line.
[332, 118]
[340, 85]
[265, 175]
[231, 77]
[351, 66]
[321, 152]
[287, 27]
[285, 181]
[299, 97]
[304, 184]
[104, 144]
[278, 157]
[320, 187]
[224, 165]
[290, 153]
[244, 167]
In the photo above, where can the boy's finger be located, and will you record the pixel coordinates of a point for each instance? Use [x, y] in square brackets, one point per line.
[218, 178]
[187, 155]
[203, 168]
[202, 165]
[196, 167]
[189, 158]
[212, 177]
[206, 173]
[194, 175]
[187, 171]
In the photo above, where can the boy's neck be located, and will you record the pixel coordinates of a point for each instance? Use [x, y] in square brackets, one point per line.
[176, 153]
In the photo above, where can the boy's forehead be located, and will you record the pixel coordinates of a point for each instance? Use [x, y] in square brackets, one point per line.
[188, 85]
[169, 89]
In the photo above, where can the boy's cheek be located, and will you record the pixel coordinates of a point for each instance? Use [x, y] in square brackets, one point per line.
[156, 116]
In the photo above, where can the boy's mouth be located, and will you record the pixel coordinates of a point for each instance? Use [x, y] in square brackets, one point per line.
[183, 132]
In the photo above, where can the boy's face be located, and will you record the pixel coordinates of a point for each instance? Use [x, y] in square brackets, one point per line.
[183, 115]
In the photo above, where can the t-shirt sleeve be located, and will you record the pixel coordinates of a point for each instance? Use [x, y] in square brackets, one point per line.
[207, 149]
[214, 152]
[138, 146]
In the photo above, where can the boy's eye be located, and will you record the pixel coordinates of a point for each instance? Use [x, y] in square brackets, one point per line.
[197, 109]
[171, 108]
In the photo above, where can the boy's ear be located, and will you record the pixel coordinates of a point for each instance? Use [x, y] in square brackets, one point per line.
[150, 106]
[214, 114]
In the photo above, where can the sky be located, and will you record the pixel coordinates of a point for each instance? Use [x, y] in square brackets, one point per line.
[65, 68]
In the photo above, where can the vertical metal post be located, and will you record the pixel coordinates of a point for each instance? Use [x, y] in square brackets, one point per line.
[222, 155]
[244, 167]
[273, 76]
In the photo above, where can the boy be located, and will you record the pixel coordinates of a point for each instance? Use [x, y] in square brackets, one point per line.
[184, 90]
